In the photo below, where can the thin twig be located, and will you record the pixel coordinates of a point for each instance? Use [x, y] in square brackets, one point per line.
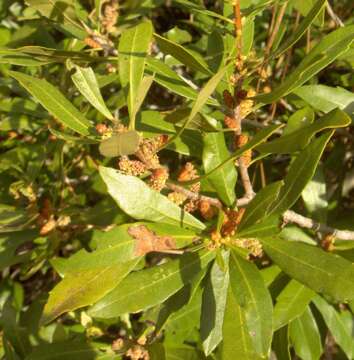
[333, 15]
[194, 196]
[288, 217]
[307, 223]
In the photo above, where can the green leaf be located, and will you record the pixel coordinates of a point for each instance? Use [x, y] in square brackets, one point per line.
[65, 350]
[258, 208]
[261, 136]
[133, 48]
[85, 287]
[15, 57]
[315, 196]
[299, 119]
[146, 288]
[254, 298]
[291, 303]
[139, 201]
[120, 144]
[336, 326]
[143, 90]
[237, 343]
[281, 344]
[201, 10]
[62, 13]
[213, 306]
[326, 98]
[305, 336]
[322, 272]
[117, 245]
[324, 53]
[300, 173]
[298, 139]
[169, 79]
[301, 28]
[202, 98]
[223, 180]
[182, 54]
[86, 82]
[54, 101]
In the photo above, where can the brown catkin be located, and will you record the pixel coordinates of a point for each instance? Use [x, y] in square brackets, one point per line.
[242, 140]
[158, 178]
[131, 167]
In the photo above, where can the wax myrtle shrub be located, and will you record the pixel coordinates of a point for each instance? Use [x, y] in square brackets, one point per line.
[176, 179]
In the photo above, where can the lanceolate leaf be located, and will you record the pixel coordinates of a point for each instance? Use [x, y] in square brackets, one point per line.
[119, 245]
[305, 336]
[201, 100]
[54, 101]
[133, 48]
[300, 172]
[223, 180]
[336, 326]
[259, 206]
[326, 51]
[149, 287]
[182, 54]
[298, 139]
[237, 342]
[326, 98]
[169, 79]
[303, 26]
[320, 271]
[86, 82]
[139, 201]
[84, 288]
[213, 308]
[63, 13]
[291, 303]
[255, 301]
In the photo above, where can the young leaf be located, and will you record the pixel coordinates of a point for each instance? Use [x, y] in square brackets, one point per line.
[223, 180]
[330, 274]
[54, 101]
[86, 82]
[324, 53]
[336, 326]
[291, 303]
[305, 336]
[182, 54]
[213, 307]
[133, 48]
[85, 288]
[237, 343]
[146, 288]
[300, 138]
[139, 201]
[120, 144]
[255, 301]
[300, 173]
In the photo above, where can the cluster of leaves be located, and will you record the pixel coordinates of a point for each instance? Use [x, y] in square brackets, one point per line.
[120, 235]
